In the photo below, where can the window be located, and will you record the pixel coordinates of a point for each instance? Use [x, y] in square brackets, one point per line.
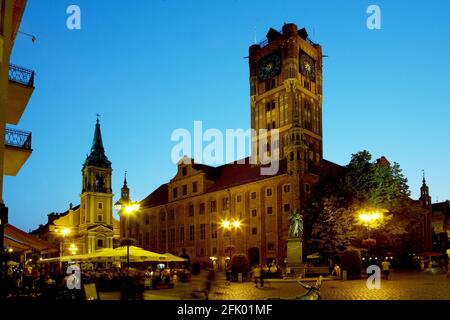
[171, 214]
[254, 231]
[202, 231]
[269, 192]
[99, 217]
[184, 189]
[147, 219]
[270, 246]
[181, 233]
[214, 250]
[225, 204]
[269, 210]
[172, 235]
[99, 243]
[202, 208]
[163, 236]
[202, 252]
[239, 198]
[287, 188]
[287, 207]
[100, 205]
[213, 230]
[253, 195]
[175, 192]
[2, 17]
[191, 210]
[307, 187]
[184, 171]
[254, 213]
[191, 232]
[163, 216]
[147, 239]
[194, 186]
[214, 206]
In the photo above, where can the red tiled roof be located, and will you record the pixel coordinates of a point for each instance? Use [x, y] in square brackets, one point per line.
[20, 240]
[235, 174]
[157, 197]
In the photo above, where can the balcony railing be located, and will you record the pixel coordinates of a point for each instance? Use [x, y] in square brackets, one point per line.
[18, 138]
[21, 75]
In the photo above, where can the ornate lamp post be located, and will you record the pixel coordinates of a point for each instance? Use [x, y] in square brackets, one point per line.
[63, 233]
[370, 219]
[230, 225]
[126, 208]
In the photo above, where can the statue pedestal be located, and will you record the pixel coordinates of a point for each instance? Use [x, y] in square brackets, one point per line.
[294, 259]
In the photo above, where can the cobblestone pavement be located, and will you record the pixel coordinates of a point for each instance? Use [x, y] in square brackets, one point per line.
[401, 286]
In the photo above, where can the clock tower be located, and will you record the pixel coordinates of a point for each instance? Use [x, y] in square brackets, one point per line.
[286, 94]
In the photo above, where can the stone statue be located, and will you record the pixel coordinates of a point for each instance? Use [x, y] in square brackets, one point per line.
[296, 225]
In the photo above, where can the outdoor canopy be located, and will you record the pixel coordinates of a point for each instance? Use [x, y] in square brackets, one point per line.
[118, 254]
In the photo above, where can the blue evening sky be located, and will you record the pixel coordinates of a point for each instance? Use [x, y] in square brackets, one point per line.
[149, 67]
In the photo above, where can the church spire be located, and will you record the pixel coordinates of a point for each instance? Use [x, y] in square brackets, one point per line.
[425, 192]
[125, 180]
[125, 191]
[97, 157]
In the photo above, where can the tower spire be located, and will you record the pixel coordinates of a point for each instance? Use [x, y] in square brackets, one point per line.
[125, 180]
[97, 156]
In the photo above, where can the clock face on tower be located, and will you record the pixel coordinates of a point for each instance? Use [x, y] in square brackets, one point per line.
[307, 67]
[269, 67]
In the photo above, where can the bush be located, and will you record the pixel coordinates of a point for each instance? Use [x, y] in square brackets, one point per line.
[351, 261]
[239, 264]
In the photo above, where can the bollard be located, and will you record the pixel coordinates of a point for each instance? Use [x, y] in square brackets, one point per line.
[344, 275]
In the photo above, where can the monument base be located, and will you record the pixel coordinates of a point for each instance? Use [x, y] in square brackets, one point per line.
[294, 260]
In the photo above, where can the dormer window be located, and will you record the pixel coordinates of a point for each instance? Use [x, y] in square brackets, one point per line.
[184, 171]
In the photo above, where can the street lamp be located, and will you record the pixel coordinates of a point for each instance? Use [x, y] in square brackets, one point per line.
[229, 225]
[369, 219]
[128, 208]
[63, 232]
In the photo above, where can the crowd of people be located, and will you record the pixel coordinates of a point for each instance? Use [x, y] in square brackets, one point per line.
[44, 282]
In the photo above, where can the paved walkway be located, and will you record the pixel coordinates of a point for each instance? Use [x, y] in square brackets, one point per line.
[401, 286]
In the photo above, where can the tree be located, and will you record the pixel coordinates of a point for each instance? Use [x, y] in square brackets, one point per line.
[330, 214]
[334, 229]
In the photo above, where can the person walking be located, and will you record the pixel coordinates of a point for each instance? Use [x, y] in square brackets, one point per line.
[257, 274]
[385, 266]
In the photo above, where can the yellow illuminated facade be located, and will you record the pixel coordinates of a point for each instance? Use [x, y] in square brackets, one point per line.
[89, 226]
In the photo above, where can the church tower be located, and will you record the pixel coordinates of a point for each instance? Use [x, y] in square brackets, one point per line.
[286, 94]
[96, 218]
[425, 194]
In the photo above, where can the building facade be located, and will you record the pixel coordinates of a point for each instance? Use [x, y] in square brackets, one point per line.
[90, 225]
[188, 212]
[16, 88]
